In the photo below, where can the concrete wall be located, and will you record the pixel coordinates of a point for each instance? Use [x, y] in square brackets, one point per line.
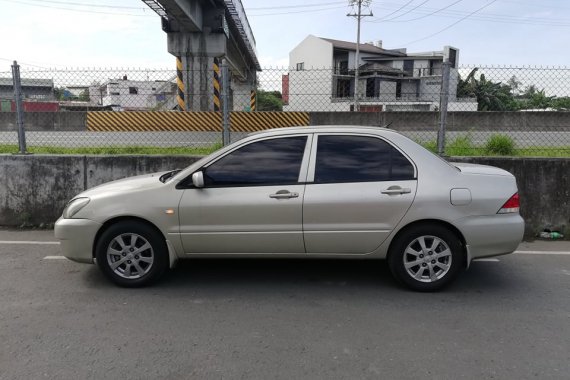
[544, 189]
[34, 189]
[314, 52]
[405, 121]
[45, 121]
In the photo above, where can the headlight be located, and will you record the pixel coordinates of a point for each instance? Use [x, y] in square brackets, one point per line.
[74, 206]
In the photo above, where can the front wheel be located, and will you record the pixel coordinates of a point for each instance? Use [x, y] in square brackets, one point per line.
[132, 254]
[426, 258]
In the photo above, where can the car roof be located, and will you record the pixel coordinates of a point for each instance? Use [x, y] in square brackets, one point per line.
[322, 128]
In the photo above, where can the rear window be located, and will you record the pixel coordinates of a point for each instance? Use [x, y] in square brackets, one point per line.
[359, 159]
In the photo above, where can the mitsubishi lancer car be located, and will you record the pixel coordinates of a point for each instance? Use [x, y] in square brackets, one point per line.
[331, 192]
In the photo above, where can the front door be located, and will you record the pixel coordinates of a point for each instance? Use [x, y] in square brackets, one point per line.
[251, 201]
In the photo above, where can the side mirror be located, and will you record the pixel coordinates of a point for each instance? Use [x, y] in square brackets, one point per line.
[198, 179]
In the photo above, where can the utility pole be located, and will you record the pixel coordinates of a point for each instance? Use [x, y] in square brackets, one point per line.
[359, 16]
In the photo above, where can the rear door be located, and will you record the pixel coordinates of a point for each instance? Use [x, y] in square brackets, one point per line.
[358, 189]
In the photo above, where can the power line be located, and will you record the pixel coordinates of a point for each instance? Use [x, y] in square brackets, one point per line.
[405, 13]
[534, 4]
[294, 6]
[399, 9]
[24, 63]
[293, 12]
[428, 15]
[451, 25]
[87, 4]
[492, 17]
[76, 10]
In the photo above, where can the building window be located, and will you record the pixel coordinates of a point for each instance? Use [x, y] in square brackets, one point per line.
[371, 88]
[409, 66]
[343, 88]
[133, 90]
[342, 68]
[300, 66]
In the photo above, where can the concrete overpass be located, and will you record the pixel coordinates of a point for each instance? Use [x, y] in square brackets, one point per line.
[199, 31]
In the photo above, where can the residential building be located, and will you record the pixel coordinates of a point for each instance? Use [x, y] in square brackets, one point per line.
[131, 95]
[322, 78]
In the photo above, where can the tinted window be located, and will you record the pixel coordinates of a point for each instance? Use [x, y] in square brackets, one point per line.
[359, 159]
[267, 162]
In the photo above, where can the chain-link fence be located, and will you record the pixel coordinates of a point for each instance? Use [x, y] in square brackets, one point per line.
[483, 110]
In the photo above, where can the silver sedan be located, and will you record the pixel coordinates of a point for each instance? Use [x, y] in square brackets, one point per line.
[339, 192]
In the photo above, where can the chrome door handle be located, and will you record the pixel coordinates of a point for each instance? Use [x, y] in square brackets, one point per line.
[284, 194]
[394, 190]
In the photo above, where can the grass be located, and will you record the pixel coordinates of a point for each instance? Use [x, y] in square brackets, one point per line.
[116, 150]
[496, 145]
[460, 146]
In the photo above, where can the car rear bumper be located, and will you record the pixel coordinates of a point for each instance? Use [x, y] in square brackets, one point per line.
[76, 237]
[492, 235]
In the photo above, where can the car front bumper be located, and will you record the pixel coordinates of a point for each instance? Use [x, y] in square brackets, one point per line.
[493, 235]
[76, 238]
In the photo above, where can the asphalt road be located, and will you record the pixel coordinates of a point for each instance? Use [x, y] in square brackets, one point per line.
[506, 318]
[200, 139]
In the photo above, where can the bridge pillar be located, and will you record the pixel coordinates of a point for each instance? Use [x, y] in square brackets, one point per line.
[197, 52]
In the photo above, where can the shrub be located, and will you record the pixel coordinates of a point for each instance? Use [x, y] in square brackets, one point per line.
[501, 145]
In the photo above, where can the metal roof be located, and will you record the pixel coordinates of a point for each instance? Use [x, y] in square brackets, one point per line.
[28, 82]
[366, 48]
[415, 57]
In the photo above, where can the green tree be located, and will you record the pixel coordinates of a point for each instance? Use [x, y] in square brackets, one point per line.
[58, 93]
[515, 85]
[269, 101]
[491, 96]
[84, 96]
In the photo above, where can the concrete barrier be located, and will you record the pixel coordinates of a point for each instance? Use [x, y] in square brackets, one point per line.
[456, 121]
[544, 189]
[402, 121]
[34, 189]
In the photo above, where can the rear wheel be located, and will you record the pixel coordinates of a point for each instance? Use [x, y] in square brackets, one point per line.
[426, 258]
[132, 254]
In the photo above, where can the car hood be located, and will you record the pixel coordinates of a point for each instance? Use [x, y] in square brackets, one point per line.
[480, 169]
[124, 185]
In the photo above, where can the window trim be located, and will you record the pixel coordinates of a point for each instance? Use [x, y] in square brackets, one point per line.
[313, 159]
[186, 183]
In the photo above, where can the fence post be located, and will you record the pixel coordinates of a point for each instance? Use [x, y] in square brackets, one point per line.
[225, 103]
[19, 109]
[443, 100]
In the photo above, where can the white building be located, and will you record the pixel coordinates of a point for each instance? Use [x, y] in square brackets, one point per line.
[130, 95]
[321, 78]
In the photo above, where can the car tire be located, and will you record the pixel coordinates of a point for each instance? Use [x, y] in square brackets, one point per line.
[132, 254]
[426, 258]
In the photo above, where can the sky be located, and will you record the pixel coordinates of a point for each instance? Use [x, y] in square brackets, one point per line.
[126, 33]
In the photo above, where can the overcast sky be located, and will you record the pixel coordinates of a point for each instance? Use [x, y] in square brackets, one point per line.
[107, 33]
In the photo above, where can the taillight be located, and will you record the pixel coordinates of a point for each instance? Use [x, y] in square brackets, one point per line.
[512, 205]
